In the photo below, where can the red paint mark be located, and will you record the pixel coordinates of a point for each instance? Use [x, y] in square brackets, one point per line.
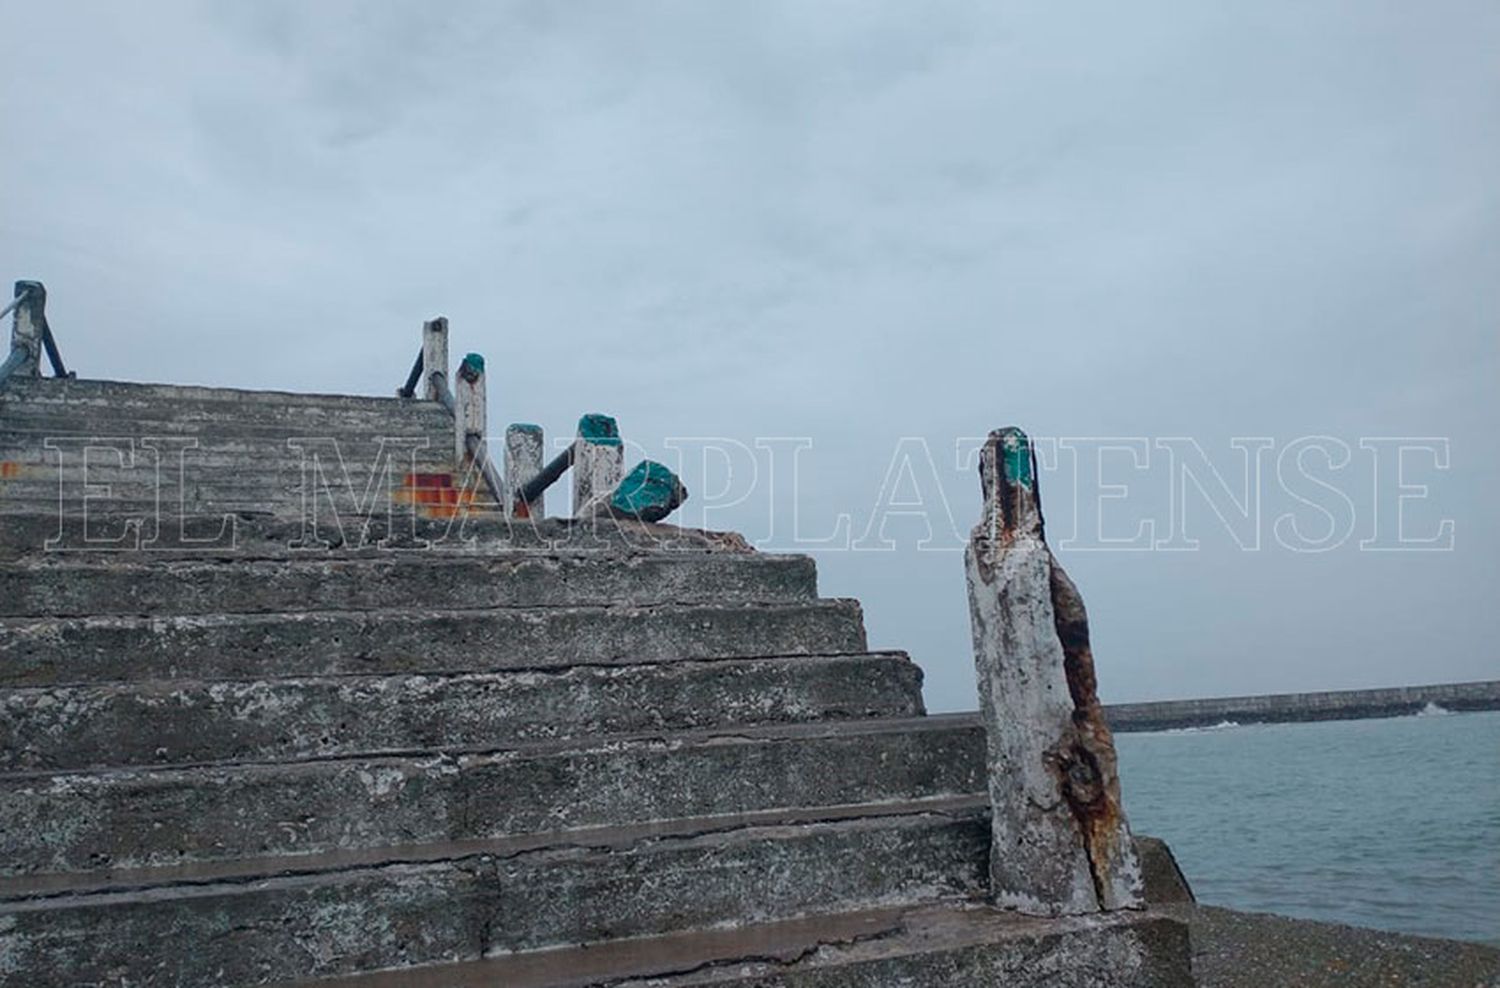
[9, 470]
[434, 494]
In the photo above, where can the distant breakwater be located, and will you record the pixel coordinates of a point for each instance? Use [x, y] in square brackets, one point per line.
[1283, 707]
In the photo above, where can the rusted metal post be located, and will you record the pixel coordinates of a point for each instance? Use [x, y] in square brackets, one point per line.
[523, 461]
[434, 357]
[598, 458]
[28, 327]
[1061, 844]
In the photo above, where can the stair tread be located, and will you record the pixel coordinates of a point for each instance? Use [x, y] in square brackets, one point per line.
[167, 722]
[731, 734]
[756, 950]
[46, 890]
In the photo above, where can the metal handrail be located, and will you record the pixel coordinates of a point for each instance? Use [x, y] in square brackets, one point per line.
[21, 296]
[409, 389]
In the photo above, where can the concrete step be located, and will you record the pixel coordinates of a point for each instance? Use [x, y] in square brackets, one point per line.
[57, 651]
[152, 817]
[928, 946]
[30, 532]
[165, 723]
[64, 586]
[135, 446]
[41, 404]
[437, 904]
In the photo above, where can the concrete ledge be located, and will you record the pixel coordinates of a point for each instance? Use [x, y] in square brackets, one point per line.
[62, 585]
[923, 947]
[283, 929]
[175, 722]
[140, 818]
[56, 651]
[1281, 707]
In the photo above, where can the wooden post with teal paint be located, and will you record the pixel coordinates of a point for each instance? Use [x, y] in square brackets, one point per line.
[598, 460]
[469, 408]
[1060, 841]
[434, 358]
[523, 461]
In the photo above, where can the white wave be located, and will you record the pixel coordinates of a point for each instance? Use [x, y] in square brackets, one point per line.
[1432, 710]
[1222, 725]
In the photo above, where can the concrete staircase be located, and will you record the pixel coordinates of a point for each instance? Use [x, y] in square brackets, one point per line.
[548, 754]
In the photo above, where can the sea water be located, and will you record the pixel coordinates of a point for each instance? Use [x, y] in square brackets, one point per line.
[1392, 824]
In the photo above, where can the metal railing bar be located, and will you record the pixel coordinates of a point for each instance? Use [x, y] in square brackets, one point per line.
[50, 345]
[14, 302]
[548, 475]
[409, 390]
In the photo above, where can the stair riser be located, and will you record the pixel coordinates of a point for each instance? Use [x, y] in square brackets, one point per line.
[112, 416]
[153, 818]
[402, 580]
[1146, 954]
[287, 929]
[73, 728]
[260, 534]
[41, 652]
[121, 452]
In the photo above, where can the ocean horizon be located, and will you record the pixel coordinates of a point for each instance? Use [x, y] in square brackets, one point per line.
[1391, 823]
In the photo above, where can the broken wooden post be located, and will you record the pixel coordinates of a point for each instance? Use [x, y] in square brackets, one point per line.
[28, 327]
[649, 492]
[435, 359]
[598, 458]
[1060, 841]
[523, 461]
[469, 405]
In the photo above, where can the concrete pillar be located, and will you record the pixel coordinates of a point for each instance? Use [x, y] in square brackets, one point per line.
[435, 357]
[26, 326]
[523, 460]
[1061, 845]
[469, 406]
[598, 458]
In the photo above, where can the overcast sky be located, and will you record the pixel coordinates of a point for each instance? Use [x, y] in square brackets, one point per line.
[858, 223]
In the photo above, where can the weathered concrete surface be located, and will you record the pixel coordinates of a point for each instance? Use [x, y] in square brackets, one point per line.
[1279, 707]
[921, 947]
[207, 452]
[63, 585]
[48, 651]
[261, 534]
[602, 729]
[1162, 879]
[1254, 950]
[278, 929]
[174, 722]
[1061, 842]
[138, 818]
[973, 947]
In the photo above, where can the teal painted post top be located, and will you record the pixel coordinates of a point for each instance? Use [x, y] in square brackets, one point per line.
[599, 429]
[650, 492]
[472, 366]
[1015, 457]
[525, 427]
